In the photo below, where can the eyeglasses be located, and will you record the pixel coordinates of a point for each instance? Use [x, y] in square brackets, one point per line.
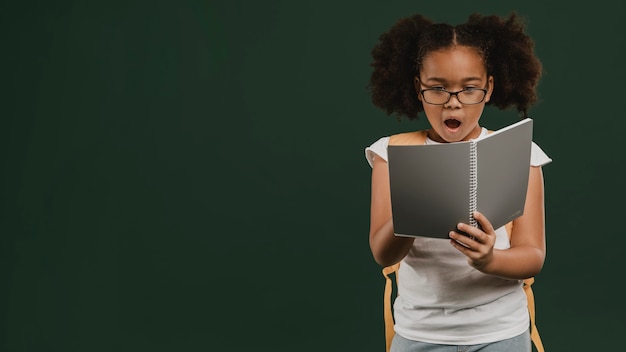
[467, 96]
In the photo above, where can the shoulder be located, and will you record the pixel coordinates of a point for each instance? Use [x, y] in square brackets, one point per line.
[538, 157]
[379, 148]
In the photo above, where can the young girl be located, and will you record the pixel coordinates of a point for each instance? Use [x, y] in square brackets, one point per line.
[466, 291]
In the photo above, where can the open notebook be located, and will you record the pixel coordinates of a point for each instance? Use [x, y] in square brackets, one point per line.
[434, 187]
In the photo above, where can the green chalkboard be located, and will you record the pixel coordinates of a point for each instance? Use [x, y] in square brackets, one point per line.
[190, 175]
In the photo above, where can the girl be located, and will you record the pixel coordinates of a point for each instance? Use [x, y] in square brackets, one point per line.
[466, 291]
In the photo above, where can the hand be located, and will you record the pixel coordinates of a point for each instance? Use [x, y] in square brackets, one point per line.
[476, 242]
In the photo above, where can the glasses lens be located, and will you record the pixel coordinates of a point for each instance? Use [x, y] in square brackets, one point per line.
[471, 96]
[435, 96]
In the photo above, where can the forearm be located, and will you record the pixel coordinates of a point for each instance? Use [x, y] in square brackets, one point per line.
[388, 248]
[515, 263]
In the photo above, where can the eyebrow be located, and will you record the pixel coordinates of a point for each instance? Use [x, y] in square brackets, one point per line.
[443, 80]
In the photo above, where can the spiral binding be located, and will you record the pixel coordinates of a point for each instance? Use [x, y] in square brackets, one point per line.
[473, 189]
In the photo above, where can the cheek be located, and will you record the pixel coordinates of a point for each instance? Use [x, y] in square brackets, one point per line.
[432, 110]
[475, 112]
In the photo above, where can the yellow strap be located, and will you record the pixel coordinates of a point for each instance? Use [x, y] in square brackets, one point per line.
[388, 315]
[530, 297]
[409, 138]
[534, 333]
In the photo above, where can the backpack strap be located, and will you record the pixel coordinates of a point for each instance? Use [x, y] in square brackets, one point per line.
[388, 312]
[407, 138]
[530, 297]
[534, 333]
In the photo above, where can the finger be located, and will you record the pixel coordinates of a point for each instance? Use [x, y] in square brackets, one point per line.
[470, 232]
[462, 247]
[485, 224]
[465, 240]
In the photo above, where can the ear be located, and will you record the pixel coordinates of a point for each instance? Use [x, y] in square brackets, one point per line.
[489, 88]
[416, 83]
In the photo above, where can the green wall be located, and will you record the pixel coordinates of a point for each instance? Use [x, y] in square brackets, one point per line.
[190, 176]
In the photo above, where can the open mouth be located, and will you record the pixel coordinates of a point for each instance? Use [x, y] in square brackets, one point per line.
[452, 123]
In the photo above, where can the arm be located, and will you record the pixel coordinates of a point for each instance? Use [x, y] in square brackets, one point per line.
[387, 248]
[526, 256]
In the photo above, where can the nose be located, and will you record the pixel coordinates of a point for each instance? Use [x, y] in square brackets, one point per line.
[453, 101]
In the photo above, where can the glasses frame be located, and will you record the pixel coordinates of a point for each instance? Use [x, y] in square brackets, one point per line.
[456, 94]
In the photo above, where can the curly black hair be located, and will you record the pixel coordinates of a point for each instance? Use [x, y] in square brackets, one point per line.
[508, 53]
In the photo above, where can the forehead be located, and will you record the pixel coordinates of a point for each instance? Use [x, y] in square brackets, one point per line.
[457, 63]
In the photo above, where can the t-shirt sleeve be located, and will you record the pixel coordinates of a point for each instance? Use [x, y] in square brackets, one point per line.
[377, 149]
[538, 157]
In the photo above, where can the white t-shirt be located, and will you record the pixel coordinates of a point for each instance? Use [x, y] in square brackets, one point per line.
[442, 299]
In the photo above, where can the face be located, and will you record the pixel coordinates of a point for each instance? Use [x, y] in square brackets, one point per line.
[453, 69]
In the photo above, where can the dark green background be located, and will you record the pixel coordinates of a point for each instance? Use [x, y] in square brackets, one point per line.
[190, 176]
